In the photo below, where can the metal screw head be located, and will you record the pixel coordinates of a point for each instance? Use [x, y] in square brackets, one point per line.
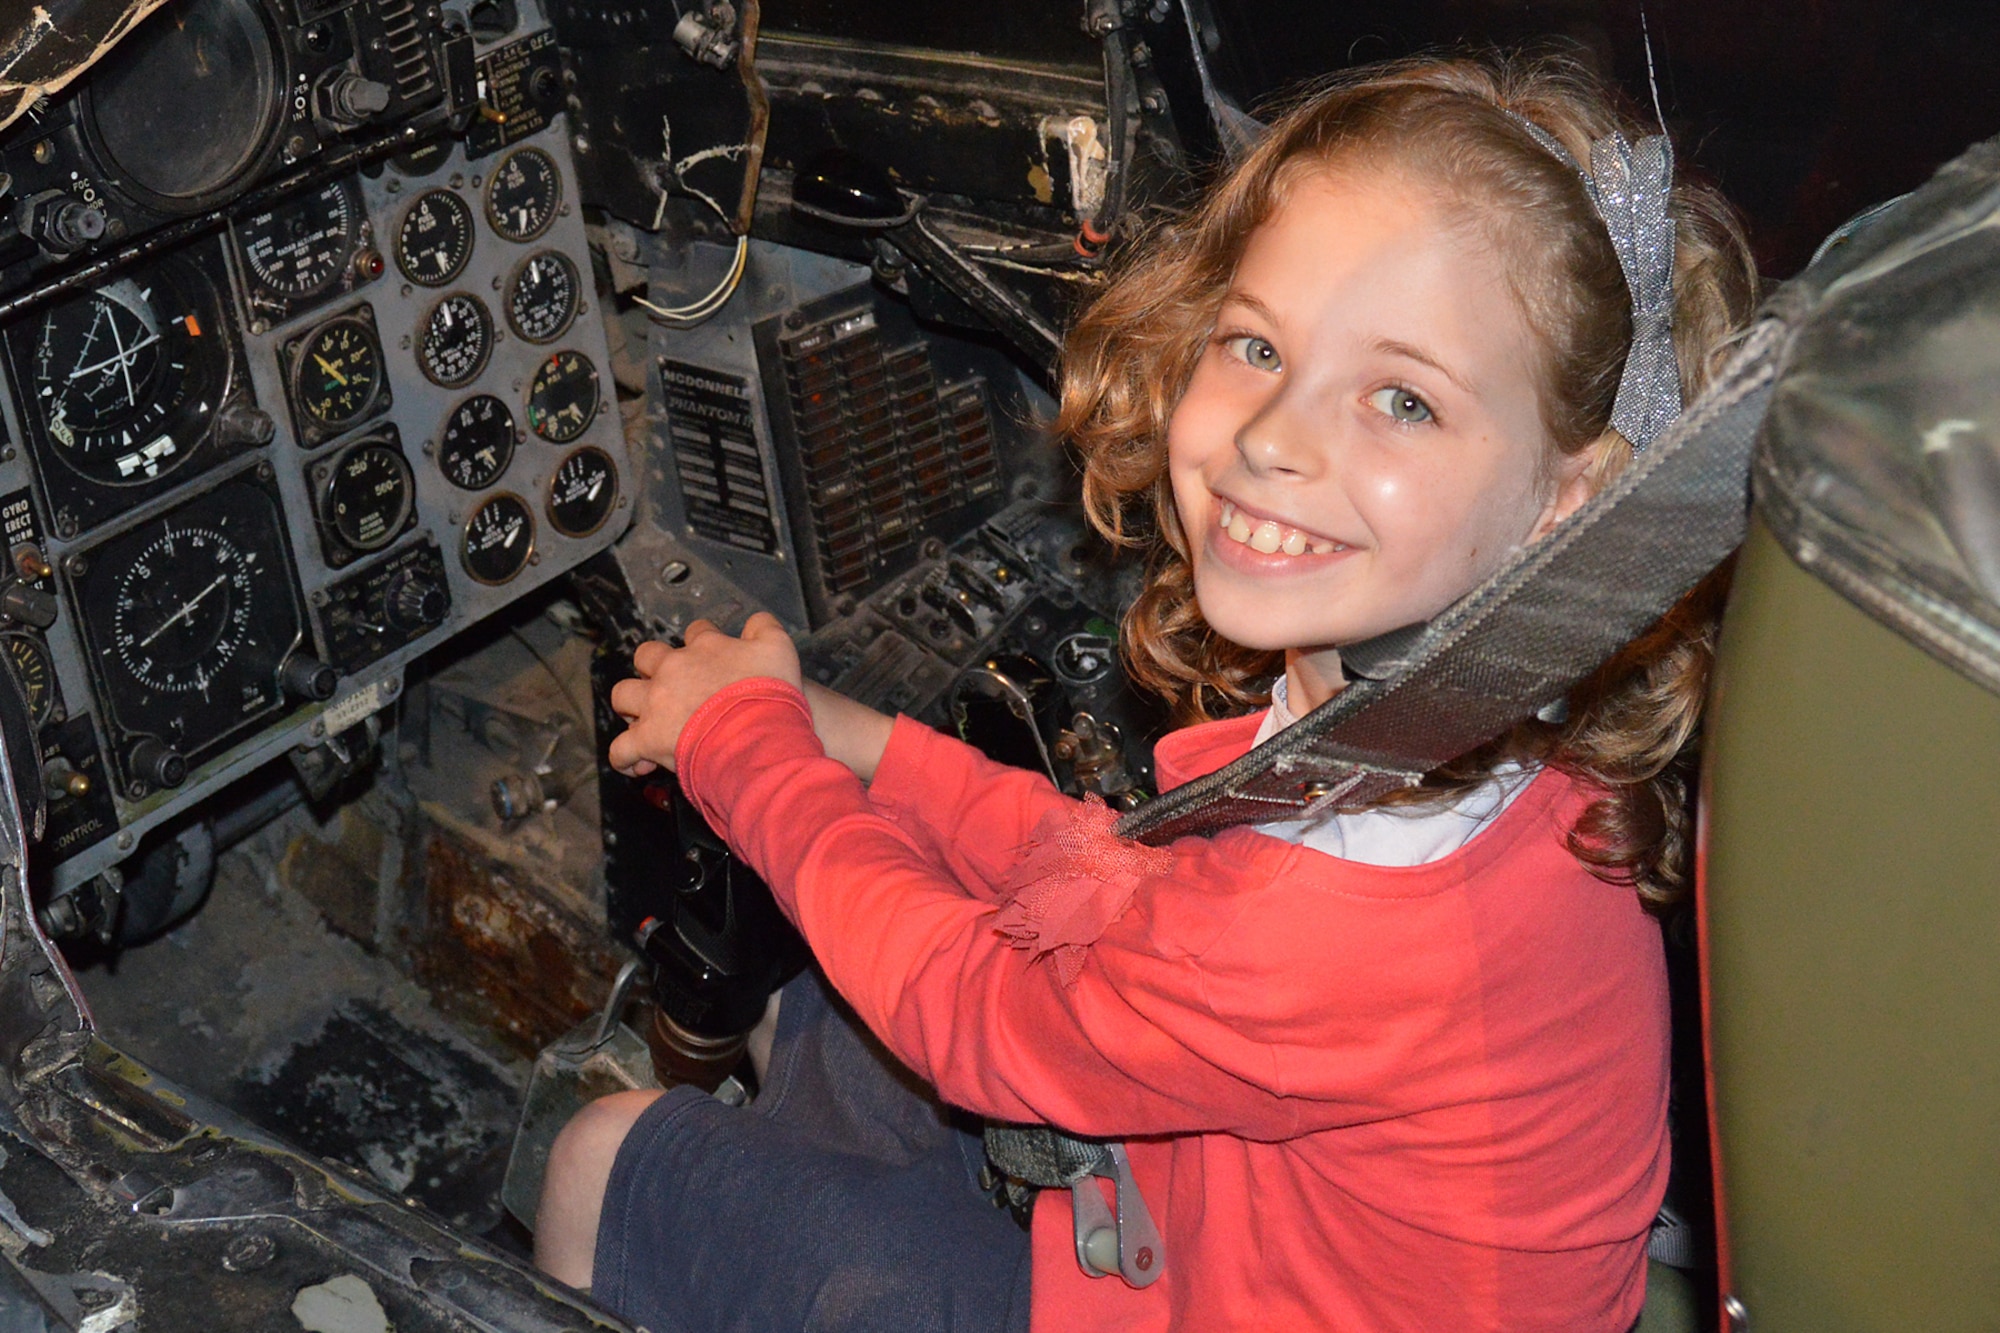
[1738, 1316]
[248, 1252]
[125, 839]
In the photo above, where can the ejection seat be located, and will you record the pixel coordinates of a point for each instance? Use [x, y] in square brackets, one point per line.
[1848, 837]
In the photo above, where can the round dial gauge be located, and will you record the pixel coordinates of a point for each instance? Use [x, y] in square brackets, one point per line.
[337, 373]
[182, 609]
[435, 240]
[369, 495]
[522, 197]
[299, 248]
[187, 618]
[34, 671]
[563, 397]
[126, 378]
[542, 299]
[582, 492]
[499, 539]
[478, 443]
[457, 339]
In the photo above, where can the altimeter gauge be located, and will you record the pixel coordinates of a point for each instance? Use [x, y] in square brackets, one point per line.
[302, 247]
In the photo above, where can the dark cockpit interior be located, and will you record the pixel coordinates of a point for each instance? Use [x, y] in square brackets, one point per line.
[376, 374]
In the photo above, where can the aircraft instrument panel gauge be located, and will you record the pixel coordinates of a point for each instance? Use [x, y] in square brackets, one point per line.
[367, 498]
[29, 659]
[563, 397]
[336, 377]
[456, 341]
[583, 492]
[522, 197]
[301, 248]
[434, 242]
[187, 619]
[478, 443]
[542, 299]
[125, 378]
[499, 540]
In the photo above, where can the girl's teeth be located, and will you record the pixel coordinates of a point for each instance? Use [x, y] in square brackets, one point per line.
[1269, 537]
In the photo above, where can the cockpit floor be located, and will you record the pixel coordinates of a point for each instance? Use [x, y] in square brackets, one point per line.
[256, 1003]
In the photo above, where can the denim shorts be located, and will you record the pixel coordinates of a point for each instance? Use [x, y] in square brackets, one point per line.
[843, 1199]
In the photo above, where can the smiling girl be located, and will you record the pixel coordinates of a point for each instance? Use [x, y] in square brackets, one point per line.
[1397, 1068]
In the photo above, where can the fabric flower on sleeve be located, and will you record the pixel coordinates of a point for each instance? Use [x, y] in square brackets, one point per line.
[1075, 879]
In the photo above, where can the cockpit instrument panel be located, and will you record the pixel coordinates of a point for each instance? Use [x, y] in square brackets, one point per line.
[337, 406]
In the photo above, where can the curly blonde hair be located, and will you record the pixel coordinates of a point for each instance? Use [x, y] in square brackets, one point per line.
[1453, 124]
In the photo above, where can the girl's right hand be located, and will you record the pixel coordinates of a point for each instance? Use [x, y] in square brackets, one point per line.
[853, 733]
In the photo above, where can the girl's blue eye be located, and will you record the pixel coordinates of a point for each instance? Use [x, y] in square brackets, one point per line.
[1254, 352]
[1400, 404]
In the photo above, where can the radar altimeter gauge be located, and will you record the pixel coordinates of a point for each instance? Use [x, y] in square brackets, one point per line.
[499, 540]
[522, 197]
[434, 242]
[478, 443]
[582, 492]
[542, 299]
[563, 397]
[456, 341]
[126, 378]
[188, 619]
[336, 377]
[302, 248]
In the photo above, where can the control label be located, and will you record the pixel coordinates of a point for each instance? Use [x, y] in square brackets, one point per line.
[715, 456]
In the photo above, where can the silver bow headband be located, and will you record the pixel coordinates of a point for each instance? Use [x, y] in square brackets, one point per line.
[1629, 185]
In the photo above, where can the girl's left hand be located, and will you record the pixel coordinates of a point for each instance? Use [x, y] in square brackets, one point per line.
[669, 684]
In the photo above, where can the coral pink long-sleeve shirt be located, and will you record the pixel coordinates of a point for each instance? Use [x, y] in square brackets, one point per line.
[1355, 1097]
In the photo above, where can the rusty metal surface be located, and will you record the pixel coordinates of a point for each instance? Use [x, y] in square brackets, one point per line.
[498, 953]
[44, 45]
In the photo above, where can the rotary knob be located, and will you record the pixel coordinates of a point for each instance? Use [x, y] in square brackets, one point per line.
[306, 677]
[353, 99]
[28, 604]
[152, 761]
[416, 602]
